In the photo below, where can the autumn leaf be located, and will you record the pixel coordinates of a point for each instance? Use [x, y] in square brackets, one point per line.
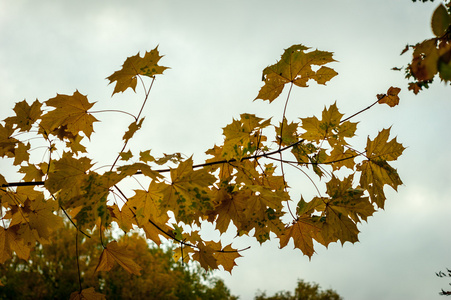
[68, 176]
[75, 146]
[71, 112]
[205, 256]
[10, 240]
[145, 156]
[7, 142]
[391, 98]
[330, 128]
[226, 257]
[186, 194]
[132, 128]
[376, 172]
[123, 217]
[243, 137]
[135, 66]
[295, 66]
[21, 153]
[287, 133]
[126, 155]
[42, 219]
[26, 115]
[146, 204]
[302, 231]
[228, 207]
[87, 294]
[424, 63]
[113, 253]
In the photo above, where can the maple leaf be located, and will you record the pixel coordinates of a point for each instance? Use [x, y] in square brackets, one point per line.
[7, 143]
[376, 172]
[136, 168]
[87, 294]
[145, 156]
[340, 158]
[94, 192]
[70, 112]
[391, 98]
[226, 257]
[10, 241]
[113, 253]
[146, 204]
[132, 128]
[329, 128]
[135, 66]
[123, 217]
[228, 207]
[188, 191]
[205, 256]
[295, 66]
[126, 155]
[21, 153]
[302, 231]
[75, 146]
[42, 219]
[289, 134]
[26, 115]
[243, 137]
[68, 176]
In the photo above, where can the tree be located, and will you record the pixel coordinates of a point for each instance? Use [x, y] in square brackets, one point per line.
[431, 57]
[303, 291]
[443, 274]
[51, 273]
[243, 184]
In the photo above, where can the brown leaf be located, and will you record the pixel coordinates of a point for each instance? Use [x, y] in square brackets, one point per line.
[391, 98]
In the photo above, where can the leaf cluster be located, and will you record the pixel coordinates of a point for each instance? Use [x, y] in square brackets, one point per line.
[241, 187]
[432, 57]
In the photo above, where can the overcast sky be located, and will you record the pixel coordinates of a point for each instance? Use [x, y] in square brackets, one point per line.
[216, 51]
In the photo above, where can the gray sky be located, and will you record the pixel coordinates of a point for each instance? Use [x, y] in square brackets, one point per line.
[216, 51]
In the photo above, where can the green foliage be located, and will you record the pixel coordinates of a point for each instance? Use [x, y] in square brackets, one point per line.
[303, 291]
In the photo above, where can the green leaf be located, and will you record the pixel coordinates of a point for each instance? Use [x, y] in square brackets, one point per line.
[440, 20]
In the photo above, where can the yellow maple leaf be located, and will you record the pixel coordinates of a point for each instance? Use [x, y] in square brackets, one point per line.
[187, 195]
[26, 115]
[376, 172]
[134, 66]
[302, 231]
[68, 176]
[226, 257]
[70, 112]
[205, 255]
[113, 253]
[295, 66]
[7, 142]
